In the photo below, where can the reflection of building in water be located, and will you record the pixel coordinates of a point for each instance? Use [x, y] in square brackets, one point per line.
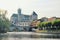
[23, 20]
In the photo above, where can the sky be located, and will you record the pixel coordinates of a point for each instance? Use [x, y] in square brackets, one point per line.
[44, 8]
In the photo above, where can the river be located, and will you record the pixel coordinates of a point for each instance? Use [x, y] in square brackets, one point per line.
[28, 36]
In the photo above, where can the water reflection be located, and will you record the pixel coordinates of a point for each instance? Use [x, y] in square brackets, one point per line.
[29, 36]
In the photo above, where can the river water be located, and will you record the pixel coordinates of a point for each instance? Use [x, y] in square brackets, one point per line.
[28, 36]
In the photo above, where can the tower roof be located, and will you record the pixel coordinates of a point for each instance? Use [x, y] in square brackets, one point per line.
[19, 8]
[34, 13]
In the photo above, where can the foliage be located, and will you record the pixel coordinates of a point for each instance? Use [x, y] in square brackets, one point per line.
[56, 23]
[50, 24]
[4, 23]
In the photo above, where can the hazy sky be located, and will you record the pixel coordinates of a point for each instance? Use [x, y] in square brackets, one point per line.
[43, 8]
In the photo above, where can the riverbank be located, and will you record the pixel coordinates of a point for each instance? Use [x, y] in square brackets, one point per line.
[48, 32]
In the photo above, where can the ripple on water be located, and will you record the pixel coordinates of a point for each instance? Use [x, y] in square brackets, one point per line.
[28, 36]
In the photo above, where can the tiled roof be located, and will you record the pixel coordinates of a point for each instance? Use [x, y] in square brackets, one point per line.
[14, 15]
[26, 15]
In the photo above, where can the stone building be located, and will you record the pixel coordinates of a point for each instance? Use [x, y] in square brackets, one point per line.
[22, 20]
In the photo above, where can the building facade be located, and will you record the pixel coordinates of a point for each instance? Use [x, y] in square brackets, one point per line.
[14, 18]
[22, 20]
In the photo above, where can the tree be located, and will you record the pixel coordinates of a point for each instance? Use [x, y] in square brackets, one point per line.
[42, 25]
[53, 25]
[4, 24]
[56, 24]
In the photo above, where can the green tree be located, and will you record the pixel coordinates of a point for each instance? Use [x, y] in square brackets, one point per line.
[56, 24]
[42, 25]
[4, 23]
